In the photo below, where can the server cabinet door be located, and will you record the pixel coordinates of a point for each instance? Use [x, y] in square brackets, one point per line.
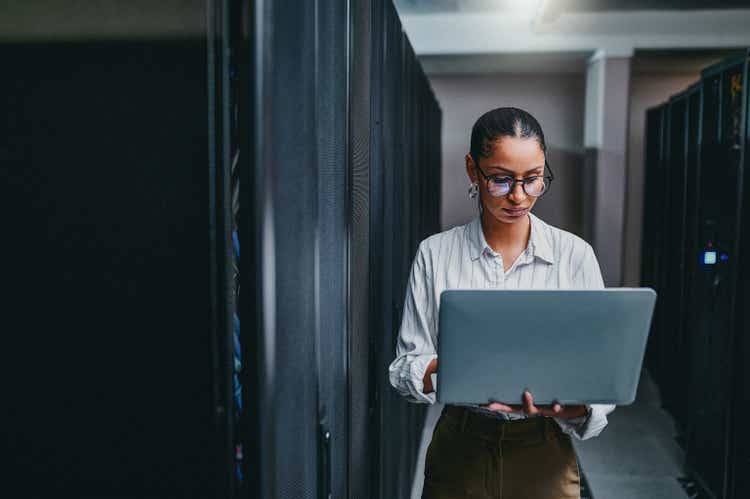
[673, 268]
[105, 173]
[332, 300]
[651, 223]
[712, 342]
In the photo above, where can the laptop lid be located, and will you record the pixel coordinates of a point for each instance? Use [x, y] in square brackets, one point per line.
[571, 346]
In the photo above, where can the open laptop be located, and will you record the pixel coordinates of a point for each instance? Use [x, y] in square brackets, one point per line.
[571, 346]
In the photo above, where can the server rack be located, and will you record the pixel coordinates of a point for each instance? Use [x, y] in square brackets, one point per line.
[352, 436]
[702, 324]
[739, 437]
[653, 213]
[714, 285]
[116, 148]
[673, 189]
[684, 357]
[304, 133]
[399, 200]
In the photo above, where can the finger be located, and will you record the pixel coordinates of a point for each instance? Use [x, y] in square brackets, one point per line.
[499, 407]
[545, 410]
[528, 404]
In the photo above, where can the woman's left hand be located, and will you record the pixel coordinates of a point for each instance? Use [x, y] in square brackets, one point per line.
[528, 407]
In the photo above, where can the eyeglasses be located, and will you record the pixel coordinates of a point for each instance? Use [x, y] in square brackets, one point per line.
[502, 185]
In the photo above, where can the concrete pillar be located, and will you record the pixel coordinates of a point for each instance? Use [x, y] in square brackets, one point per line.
[605, 139]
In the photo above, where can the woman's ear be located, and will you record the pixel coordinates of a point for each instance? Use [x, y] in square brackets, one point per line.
[470, 170]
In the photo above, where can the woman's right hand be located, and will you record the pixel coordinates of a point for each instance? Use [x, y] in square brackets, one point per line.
[530, 409]
[427, 380]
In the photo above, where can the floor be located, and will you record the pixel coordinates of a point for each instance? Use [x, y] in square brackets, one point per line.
[636, 456]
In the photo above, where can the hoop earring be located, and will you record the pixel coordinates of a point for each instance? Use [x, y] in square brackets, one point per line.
[473, 190]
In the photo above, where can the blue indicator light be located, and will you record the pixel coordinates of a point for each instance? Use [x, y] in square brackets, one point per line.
[723, 257]
[709, 257]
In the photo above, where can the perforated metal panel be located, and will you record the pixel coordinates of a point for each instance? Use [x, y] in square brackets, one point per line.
[292, 142]
[359, 250]
[332, 109]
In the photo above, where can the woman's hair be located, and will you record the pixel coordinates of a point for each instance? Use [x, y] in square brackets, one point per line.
[503, 122]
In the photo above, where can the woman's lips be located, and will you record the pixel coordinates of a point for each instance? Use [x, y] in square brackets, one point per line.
[515, 212]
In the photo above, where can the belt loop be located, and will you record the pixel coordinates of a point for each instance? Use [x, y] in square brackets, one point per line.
[464, 418]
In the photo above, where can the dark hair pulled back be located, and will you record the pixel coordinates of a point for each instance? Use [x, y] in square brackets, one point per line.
[503, 122]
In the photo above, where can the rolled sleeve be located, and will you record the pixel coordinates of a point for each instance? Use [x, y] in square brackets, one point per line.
[407, 377]
[415, 348]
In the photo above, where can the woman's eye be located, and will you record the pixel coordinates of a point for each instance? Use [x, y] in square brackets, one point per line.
[502, 180]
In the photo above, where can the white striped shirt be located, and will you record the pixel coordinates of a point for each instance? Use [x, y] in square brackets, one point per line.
[461, 258]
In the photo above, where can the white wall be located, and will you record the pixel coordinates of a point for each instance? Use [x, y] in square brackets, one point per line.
[647, 90]
[555, 100]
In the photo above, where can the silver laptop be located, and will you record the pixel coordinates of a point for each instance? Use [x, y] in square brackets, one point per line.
[571, 346]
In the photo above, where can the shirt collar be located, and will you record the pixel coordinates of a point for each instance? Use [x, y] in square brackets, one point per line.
[539, 245]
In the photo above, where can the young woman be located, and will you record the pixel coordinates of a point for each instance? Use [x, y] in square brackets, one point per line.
[516, 449]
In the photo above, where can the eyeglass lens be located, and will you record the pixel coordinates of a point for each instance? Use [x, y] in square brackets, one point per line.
[532, 187]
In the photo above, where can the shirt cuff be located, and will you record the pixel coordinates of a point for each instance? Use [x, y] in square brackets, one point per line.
[417, 369]
[588, 426]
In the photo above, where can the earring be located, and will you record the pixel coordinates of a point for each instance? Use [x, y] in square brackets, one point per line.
[473, 190]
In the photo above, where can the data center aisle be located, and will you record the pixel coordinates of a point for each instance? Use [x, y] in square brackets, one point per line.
[635, 457]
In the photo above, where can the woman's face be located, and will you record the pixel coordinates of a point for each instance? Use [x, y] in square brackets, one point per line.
[513, 157]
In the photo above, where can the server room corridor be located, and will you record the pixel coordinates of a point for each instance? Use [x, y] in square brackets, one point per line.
[215, 215]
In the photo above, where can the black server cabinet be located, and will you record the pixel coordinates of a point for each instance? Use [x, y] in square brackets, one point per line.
[336, 195]
[296, 234]
[397, 442]
[671, 309]
[653, 215]
[740, 436]
[117, 254]
[332, 86]
[138, 168]
[688, 251]
[715, 277]
[392, 477]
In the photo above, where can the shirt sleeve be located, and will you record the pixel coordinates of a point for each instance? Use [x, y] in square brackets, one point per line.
[417, 338]
[587, 276]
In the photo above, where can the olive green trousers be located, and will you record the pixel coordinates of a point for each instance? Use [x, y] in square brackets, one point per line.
[477, 457]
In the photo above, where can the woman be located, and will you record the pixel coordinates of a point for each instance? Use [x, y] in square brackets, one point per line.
[502, 450]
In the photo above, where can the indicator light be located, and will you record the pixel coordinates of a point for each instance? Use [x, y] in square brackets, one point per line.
[709, 257]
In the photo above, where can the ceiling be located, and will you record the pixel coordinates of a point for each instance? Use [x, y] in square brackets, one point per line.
[674, 62]
[434, 6]
[557, 63]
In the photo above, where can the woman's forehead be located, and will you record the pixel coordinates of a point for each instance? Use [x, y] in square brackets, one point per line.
[515, 154]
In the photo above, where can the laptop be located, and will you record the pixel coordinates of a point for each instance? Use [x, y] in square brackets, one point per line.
[566, 346]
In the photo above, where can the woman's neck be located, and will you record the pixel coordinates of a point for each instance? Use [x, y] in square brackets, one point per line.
[502, 236]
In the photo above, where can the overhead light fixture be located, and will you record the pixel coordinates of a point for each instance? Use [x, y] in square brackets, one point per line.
[525, 6]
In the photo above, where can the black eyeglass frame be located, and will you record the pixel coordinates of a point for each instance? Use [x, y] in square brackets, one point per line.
[523, 181]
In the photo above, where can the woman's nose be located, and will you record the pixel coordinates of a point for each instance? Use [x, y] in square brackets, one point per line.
[517, 193]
